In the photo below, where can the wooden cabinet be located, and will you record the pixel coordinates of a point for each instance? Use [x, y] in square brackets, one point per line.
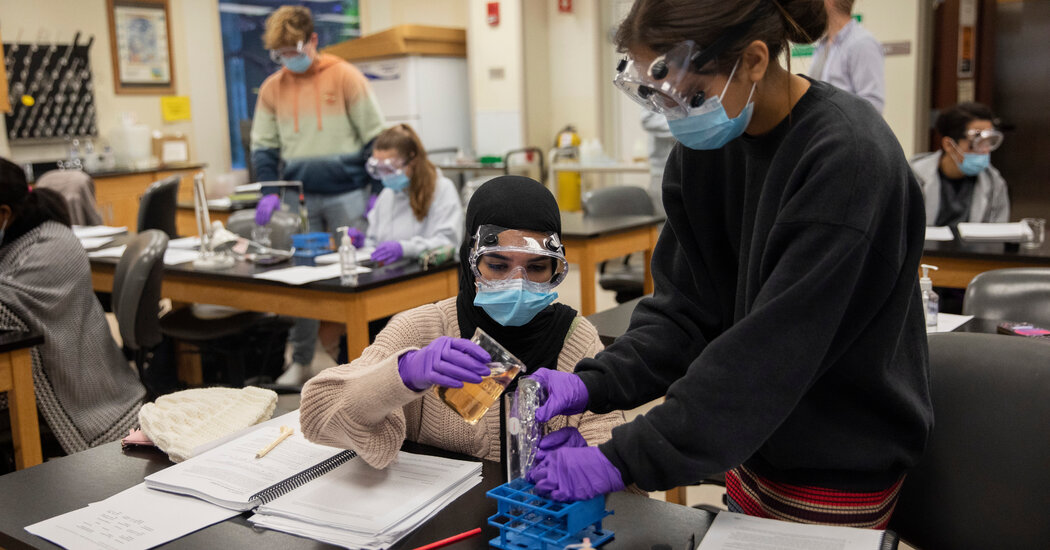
[118, 195]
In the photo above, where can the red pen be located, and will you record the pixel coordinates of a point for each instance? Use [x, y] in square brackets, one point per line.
[450, 540]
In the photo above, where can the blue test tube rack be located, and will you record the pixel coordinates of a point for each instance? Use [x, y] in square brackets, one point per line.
[527, 521]
[310, 245]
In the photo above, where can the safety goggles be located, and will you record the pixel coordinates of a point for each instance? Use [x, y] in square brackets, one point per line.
[384, 168]
[501, 256]
[291, 51]
[668, 85]
[984, 141]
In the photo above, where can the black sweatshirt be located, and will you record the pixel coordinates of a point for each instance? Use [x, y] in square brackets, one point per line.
[787, 328]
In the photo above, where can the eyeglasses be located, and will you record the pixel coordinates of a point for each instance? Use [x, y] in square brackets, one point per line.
[277, 54]
[384, 168]
[984, 141]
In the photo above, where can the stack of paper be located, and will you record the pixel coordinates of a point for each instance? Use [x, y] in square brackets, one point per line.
[88, 231]
[994, 232]
[172, 256]
[939, 233]
[363, 254]
[357, 506]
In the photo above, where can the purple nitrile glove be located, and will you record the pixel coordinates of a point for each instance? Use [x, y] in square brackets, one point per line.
[575, 473]
[565, 437]
[566, 394]
[265, 209]
[371, 203]
[445, 362]
[357, 238]
[387, 252]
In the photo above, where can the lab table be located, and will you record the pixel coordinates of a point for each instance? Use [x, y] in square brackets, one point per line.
[958, 262]
[16, 378]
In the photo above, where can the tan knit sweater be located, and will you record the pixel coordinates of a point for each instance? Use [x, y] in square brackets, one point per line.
[366, 407]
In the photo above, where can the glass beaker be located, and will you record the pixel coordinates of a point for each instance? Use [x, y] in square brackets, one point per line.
[472, 401]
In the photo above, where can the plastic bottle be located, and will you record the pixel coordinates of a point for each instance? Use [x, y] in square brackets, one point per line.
[347, 259]
[930, 300]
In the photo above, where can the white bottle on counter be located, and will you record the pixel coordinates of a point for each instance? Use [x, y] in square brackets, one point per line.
[347, 259]
[930, 300]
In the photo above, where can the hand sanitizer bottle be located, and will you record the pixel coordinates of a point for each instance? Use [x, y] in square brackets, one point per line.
[930, 300]
[347, 259]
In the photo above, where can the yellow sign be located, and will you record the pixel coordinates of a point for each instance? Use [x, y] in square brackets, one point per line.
[175, 107]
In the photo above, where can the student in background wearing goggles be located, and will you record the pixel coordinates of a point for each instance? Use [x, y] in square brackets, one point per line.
[418, 208]
[786, 332]
[315, 121]
[958, 181]
[387, 395]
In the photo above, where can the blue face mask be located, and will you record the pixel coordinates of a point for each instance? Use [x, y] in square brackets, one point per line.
[973, 163]
[511, 304]
[708, 126]
[397, 182]
[297, 64]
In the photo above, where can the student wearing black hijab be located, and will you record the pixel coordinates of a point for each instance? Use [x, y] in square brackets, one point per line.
[510, 261]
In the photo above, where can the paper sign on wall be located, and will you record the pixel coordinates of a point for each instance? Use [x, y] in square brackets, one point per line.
[175, 107]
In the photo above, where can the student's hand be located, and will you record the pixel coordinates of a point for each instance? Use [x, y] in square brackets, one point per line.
[371, 204]
[565, 437]
[265, 209]
[445, 362]
[575, 473]
[566, 394]
[387, 252]
[357, 238]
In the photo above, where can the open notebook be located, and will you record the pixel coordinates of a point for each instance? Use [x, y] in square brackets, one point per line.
[229, 475]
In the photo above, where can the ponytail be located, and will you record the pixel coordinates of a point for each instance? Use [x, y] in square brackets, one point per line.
[46, 205]
[31, 207]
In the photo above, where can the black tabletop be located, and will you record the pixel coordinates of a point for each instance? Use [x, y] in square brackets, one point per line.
[575, 225]
[61, 485]
[243, 271]
[11, 340]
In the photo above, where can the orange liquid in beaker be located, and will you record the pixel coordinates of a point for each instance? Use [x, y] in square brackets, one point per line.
[472, 401]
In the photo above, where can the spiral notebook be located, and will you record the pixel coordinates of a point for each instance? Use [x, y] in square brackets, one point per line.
[230, 476]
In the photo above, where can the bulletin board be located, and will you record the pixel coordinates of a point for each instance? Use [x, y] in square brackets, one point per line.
[50, 89]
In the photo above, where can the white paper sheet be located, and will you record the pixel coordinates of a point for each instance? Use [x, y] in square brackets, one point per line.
[939, 233]
[85, 231]
[947, 322]
[172, 256]
[185, 243]
[135, 519]
[302, 274]
[995, 232]
[94, 242]
[363, 254]
[732, 531]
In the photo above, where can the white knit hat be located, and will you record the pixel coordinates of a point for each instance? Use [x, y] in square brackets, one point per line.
[179, 422]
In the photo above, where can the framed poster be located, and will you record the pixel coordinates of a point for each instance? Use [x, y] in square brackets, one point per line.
[140, 44]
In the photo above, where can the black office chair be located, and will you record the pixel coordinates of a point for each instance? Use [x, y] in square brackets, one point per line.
[158, 205]
[983, 480]
[1017, 294]
[623, 278]
[136, 296]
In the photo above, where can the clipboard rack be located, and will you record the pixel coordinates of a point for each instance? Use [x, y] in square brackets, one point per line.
[51, 91]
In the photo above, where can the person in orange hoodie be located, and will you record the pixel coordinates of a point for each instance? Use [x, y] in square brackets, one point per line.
[315, 121]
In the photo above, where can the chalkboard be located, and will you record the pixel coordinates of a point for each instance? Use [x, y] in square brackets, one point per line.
[51, 91]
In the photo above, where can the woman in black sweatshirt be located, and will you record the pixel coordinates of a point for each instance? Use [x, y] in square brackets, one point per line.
[786, 331]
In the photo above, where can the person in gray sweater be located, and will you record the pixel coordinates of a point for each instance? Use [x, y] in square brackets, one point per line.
[85, 389]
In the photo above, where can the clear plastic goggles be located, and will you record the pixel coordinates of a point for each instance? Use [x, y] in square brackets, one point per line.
[502, 256]
[291, 51]
[667, 85]
[984, 141]
[385, 168]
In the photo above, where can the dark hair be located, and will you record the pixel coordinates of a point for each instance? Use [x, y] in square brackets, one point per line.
[952, 122]
[30, 207]
[403, 139]
[661, 24]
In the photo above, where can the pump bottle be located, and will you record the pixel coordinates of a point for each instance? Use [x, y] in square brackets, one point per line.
[930, 300]
[347, 259]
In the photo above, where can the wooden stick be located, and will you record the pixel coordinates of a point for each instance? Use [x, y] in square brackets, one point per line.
[285, 432]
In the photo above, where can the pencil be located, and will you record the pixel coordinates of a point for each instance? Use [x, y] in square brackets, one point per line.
[285, 432]
[450, 540]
